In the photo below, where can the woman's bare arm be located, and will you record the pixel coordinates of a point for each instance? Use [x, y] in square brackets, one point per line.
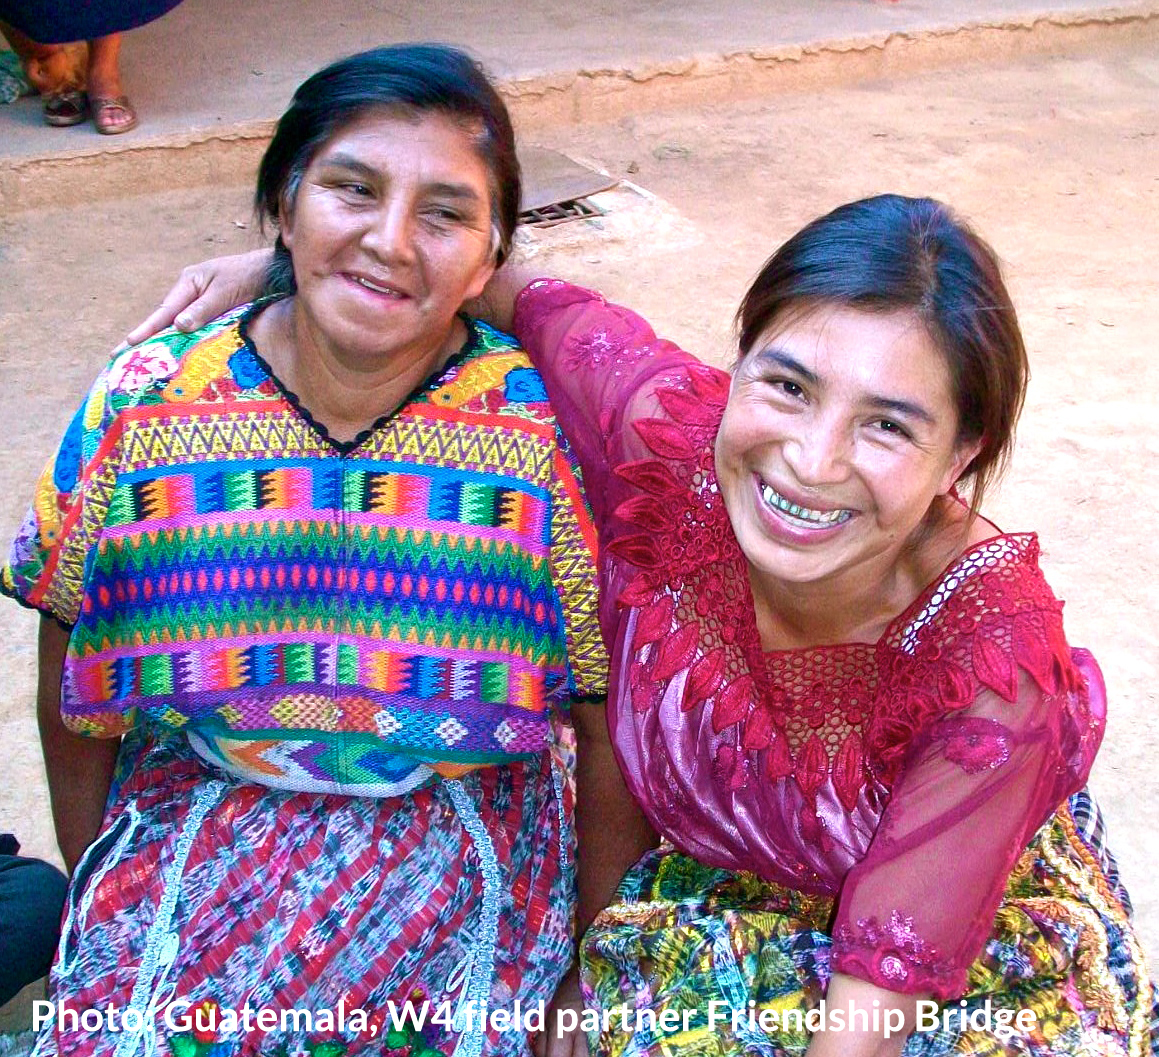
[611, 834]
[80, 769]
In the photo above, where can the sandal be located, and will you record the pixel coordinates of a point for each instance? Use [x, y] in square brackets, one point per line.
[69, 107]
[105, 108]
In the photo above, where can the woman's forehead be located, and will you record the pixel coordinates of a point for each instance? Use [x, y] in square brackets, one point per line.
[393, 126]
[832, 342]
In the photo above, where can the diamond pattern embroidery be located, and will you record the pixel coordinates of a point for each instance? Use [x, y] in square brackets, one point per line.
[451, 731]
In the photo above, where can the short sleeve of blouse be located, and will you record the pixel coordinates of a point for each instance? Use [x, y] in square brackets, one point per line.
[573, 572]
[47, 560]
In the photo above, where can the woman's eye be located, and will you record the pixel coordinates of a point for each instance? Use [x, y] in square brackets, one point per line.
[788, 387]
[356, 190]
[887, 425]
[443, 215]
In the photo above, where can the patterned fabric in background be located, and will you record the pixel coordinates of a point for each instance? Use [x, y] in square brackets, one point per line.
[13, 83]
[1061, 948]
[315, 615]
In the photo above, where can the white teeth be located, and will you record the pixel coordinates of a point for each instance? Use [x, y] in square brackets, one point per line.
[371, 286]
[801, 513]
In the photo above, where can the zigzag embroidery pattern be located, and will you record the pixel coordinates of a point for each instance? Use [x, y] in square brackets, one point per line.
[346, 615]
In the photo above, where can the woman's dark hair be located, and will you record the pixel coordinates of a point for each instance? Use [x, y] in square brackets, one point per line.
[888, 254]
[411, 79]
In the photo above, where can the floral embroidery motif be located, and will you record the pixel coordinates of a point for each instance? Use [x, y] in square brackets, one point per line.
[892, 953]
[974, 744]
[139, 367]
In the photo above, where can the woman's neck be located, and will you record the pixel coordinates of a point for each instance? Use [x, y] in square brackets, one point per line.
[797, 616]
[860, 604]
[345, 395]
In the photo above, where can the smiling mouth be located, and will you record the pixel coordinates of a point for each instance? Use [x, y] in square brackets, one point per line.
[802, 515]
[378, 288]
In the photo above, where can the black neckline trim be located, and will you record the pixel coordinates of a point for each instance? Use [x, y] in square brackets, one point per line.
[345, 447]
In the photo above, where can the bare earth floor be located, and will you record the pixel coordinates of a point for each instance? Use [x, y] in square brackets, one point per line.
[1057, 162]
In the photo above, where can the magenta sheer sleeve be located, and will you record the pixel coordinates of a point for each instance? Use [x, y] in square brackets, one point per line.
[976, 785]
[602, 365]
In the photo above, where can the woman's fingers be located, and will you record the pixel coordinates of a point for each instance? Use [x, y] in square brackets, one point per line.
[555, 1041]
[182, 306]
[204, 291]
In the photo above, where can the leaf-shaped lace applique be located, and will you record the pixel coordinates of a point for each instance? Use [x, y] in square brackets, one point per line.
[994, 667]
[638, 549]
[644, 511]
[812, 766]
[685, 407]
[778, 759]
[676, 652]
[665, 439]
[651, 476]
[848, 771]
[1033, 653]
[704, 679]
[654, 621]
[758, 729]
[708, 383]
[733, 704]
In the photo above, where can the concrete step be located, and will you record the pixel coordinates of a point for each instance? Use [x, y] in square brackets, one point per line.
[209, 93]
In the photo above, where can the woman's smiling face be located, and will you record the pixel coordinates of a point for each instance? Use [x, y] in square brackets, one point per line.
[390, 231]
[840, 432]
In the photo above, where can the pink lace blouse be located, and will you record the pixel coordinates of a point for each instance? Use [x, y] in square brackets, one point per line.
[904, 777]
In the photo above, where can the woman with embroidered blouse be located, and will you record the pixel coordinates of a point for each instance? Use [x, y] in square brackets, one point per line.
[842, 696]
[318, 586]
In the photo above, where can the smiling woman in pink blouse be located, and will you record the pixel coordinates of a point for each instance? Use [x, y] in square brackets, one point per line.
[842, 696]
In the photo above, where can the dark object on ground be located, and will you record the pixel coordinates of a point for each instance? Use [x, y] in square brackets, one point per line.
[31, 899]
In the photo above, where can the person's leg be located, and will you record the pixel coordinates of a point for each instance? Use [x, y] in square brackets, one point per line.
[112, 111]
[31, 899]
[57, 72]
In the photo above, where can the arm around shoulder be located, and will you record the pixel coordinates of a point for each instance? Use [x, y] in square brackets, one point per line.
[204, 291]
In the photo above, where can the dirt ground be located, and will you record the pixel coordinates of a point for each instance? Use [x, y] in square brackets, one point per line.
[1056, 162]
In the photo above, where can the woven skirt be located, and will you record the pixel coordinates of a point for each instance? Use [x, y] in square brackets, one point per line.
[218, 918]
[688, 957]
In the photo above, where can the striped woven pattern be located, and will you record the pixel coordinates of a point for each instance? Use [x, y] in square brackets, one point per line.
[337, 615]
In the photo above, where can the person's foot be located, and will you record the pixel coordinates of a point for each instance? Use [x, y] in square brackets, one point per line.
[113, 115]
[66, 107]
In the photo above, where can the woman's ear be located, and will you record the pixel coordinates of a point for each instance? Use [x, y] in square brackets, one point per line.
[965, 452]
[284, 221]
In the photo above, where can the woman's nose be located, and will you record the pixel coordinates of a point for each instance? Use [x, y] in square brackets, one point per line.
[819, 453]
[390, 235]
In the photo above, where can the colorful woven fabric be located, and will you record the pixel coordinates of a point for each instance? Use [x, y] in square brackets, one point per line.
[315, 615]
[682, 935]
[209, 893]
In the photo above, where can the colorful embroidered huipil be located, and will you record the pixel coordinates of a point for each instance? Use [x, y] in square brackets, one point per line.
[341, 618]
[315, 615]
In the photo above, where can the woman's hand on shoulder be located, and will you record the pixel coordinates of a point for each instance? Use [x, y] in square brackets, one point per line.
[204, 291]
[496, 304]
